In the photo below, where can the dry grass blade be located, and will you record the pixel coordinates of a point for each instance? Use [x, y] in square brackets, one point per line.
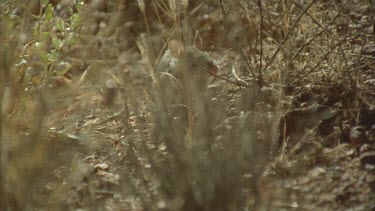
[270, 62]
[303, 73]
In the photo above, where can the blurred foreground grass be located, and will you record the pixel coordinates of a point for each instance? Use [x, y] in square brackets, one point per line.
[93, 119]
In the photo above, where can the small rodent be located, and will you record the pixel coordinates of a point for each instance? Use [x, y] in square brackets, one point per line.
[197, 64]
[183, 74]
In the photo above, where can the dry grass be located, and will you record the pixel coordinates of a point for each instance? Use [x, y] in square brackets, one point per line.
[99, 112]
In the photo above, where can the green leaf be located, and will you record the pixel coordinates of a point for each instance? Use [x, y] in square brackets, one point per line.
[75, 21]
[57, 43]
[45, 35]
[70, 10]
[49, 12]
[63, 68]
[53, 55]
[43, 56]
[80, 5]
[70, 39]
[60, 25]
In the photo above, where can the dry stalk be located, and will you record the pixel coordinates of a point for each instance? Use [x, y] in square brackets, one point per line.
[299, 76]
[270, 62]
[260, 76]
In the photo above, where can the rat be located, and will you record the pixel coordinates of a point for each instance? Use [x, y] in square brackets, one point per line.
[183, 74]
[187, 64]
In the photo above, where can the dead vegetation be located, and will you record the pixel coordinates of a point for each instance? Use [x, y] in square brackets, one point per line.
[187, 105]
